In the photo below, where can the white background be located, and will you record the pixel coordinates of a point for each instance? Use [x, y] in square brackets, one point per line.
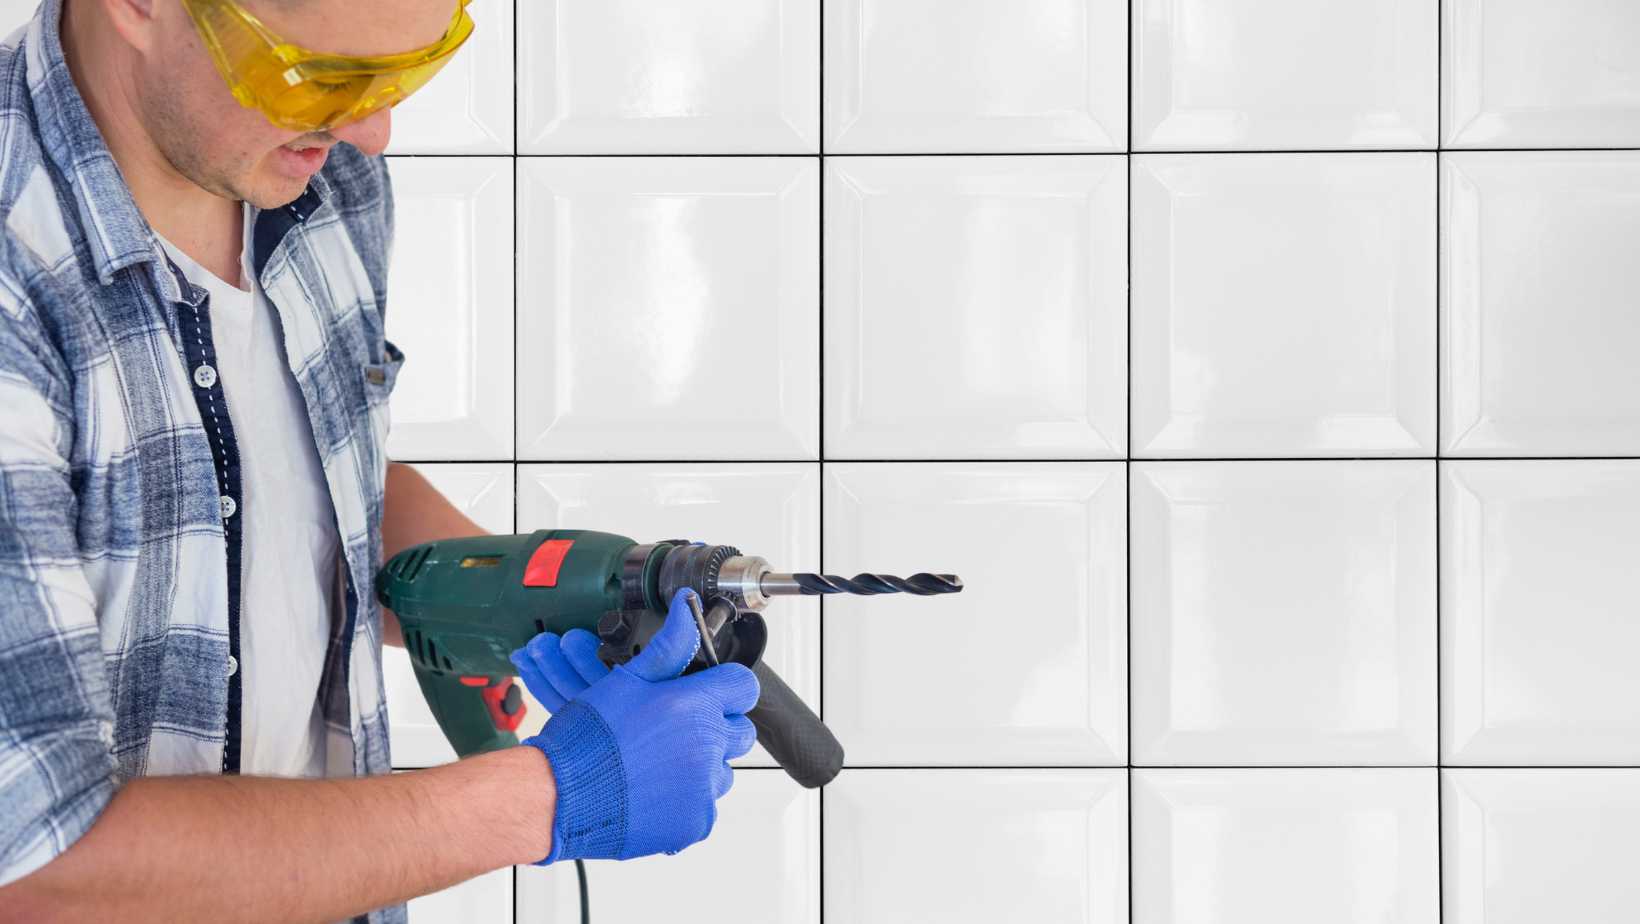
[1265, 367]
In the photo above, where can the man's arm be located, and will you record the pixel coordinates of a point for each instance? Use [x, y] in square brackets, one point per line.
[412, 513]
[252, 849]
[76, 844]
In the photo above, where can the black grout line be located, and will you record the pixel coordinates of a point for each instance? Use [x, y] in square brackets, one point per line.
[1016, 460]
[1592, 768]
[1440, 823]
[513, 436]
[1111, 152]
[820, 304]
[1131, 767]
[1127, 452]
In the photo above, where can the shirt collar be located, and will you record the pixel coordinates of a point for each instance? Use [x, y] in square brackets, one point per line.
[116, 232]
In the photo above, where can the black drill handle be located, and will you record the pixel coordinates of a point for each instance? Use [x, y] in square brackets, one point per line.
[792, 734]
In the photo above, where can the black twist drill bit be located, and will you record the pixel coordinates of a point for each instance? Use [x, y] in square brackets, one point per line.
[922, 584]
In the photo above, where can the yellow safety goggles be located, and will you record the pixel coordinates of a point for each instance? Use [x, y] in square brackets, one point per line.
[310, 91]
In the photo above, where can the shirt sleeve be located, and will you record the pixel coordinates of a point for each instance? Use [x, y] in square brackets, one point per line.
[57, 769]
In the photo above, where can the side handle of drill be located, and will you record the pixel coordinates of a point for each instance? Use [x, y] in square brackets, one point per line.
[792, 734]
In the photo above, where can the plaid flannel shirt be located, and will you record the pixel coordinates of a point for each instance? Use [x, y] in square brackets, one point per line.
[119, 538]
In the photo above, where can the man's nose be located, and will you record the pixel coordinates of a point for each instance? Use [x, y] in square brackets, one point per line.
[368, 134]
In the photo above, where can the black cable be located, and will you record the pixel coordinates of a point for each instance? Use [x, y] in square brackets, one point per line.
[581, 876]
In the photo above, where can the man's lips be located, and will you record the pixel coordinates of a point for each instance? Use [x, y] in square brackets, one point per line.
[301, 160]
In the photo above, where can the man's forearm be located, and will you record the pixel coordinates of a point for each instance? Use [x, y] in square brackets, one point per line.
[256, 849]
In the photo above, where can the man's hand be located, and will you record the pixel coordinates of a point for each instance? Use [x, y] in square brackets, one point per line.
[556, 670]
[640, 754]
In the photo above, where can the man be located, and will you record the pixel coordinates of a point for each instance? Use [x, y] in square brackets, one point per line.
[194, 498]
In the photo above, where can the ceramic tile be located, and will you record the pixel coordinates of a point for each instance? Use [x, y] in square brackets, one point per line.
[1525, 74]
[668, 308]
[1283, 305]
[1538, 631]
[939, 76]
[1028, 665]
[1288, 74]
[1537, 307]
[1283, 613]
[686, 76]
[1524, 846]
[1285, 846]
[468, 107]
[450, 308]
[975, 307]
[972, 846]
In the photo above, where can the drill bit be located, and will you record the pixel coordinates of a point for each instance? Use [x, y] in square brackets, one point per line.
[749, 583]
[921, 584]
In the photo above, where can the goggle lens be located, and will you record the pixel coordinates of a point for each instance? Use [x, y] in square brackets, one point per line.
[306, 91]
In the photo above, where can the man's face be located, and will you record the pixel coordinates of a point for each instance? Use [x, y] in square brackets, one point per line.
[236, 152]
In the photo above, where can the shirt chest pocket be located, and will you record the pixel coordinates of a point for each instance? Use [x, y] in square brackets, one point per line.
[379, 379]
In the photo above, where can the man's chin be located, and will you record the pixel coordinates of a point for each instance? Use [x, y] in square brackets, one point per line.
[270, 191]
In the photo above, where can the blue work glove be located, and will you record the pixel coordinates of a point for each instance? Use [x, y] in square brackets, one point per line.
[556, 670]
[640, 754]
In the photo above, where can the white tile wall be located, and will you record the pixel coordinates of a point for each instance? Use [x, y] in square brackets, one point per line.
[1000, 279]
[1292, 846]
[1283, 612]
[681, 77]
[977, 845]
[469, 108]
[881, 284]
[667, 308]
[1539, 635]
[1210, 74]
[1282, 304]
[1522, 73]
[1064, 701]
[1538, 322]
[1523, 846]
[452, 268]
[975, 75]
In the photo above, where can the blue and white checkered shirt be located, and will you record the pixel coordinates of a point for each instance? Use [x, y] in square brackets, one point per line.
[119, 479]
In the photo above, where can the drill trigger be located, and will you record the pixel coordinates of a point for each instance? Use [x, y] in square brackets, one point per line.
[505, 704]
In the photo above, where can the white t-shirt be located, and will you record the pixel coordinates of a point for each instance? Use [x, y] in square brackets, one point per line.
[290, 551]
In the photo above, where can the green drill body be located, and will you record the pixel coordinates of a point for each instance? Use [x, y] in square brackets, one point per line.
[464, 606]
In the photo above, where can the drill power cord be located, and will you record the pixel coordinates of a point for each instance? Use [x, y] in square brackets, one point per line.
[581, 878]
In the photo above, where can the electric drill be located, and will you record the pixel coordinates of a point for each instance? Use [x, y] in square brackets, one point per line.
[465, 604]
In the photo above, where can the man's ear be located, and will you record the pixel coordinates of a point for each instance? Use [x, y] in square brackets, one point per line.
[135, 21]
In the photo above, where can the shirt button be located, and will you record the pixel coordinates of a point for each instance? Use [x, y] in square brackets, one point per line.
[233, 665]
[228, 506]
[204, 376]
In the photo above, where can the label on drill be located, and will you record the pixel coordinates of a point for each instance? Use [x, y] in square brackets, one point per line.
[542, 570]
